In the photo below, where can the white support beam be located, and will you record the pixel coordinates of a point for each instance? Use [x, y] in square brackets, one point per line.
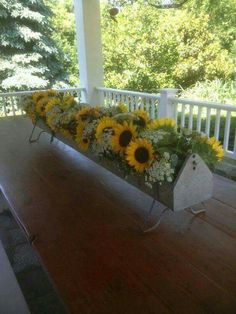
[89, 47]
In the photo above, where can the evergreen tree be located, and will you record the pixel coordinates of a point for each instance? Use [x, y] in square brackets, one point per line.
[29, 59]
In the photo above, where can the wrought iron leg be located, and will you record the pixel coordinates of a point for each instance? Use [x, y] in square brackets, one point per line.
[32, 238]
[31, 140]
[158, 221]
[150, 209]
[198, 211]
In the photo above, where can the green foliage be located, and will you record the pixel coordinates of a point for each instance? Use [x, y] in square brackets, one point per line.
[217, 91]
[162, 48]
[28, 57]
[222, 19]
[63, 21]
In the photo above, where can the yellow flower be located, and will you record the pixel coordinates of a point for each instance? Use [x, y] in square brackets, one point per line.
[105, 123]
[52, 103]
[143, 117]
[88, 111]
[68, 101]
[66, 133]
[82, 141]
[51, 93]
[139, 154]
[123, 136]
[40, 106]
[217, 147]
[38, 95]
[122, 107]
[158, 123]
[51, 121]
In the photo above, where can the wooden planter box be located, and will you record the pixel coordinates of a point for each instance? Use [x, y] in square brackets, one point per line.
[193, 185]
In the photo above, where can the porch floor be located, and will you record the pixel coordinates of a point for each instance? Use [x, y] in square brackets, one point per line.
[88, 226]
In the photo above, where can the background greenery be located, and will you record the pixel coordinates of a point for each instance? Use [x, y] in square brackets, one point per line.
[192, 47]
[29, 58]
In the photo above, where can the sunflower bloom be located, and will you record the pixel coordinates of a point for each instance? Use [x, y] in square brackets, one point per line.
[162, 122]
[217, 147]
[40, 106]
[82, 141]
[104, 124]
[124, 134]
[139, 154]
[143, 117]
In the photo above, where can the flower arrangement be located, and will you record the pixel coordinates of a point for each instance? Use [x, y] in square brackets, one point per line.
[152, 148]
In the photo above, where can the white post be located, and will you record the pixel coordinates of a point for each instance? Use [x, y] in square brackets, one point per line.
[166, 108]
[89, 47]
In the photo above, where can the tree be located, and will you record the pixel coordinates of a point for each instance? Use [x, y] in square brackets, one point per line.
[163, 48]
[63, 21]
[29, 59]
[222, 19]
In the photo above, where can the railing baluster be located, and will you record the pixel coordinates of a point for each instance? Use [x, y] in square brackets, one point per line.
[183, 116]
[141, 104]
[5, 106]
[199, 119]
[208, 121]
[118, 98]
[217, 124]
[135, 102]
[147, 106]
[153, 109]
[132, 103]
[190, 119]
[227, 129]
[13, 106]
[107, 99]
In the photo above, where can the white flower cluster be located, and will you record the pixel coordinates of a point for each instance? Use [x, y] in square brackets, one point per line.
[153, 135]
[90, 128]
[159, 171]
[103, 146]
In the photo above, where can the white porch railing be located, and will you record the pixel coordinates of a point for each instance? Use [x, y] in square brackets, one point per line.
[134, 100]
[209, 118]
[9, 101]
[218, 120]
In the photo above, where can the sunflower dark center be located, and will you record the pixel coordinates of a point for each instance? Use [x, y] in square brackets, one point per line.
[125, 138]
[141, 155]
[85, 140]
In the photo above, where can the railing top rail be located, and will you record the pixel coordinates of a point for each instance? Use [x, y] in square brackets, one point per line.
[201, 103]
[127, 92]
[70, 89]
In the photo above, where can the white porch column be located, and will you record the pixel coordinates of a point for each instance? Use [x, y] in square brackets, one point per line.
[166, 108]
[89, 47]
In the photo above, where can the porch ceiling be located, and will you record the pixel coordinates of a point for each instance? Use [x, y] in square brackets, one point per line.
[88, 236]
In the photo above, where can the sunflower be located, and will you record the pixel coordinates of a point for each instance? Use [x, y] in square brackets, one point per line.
[40, 106]
[105, 123]
[217, 147]
[82, 141]
[162, 122]
[122, 108]
[52, 103]
[66, 133]
[68, 101]
[142, 117]
[87, 112]
[124, 134]
[139, 154]
[38, 95]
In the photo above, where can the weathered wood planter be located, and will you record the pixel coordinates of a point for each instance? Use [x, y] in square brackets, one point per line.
[193, 185]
